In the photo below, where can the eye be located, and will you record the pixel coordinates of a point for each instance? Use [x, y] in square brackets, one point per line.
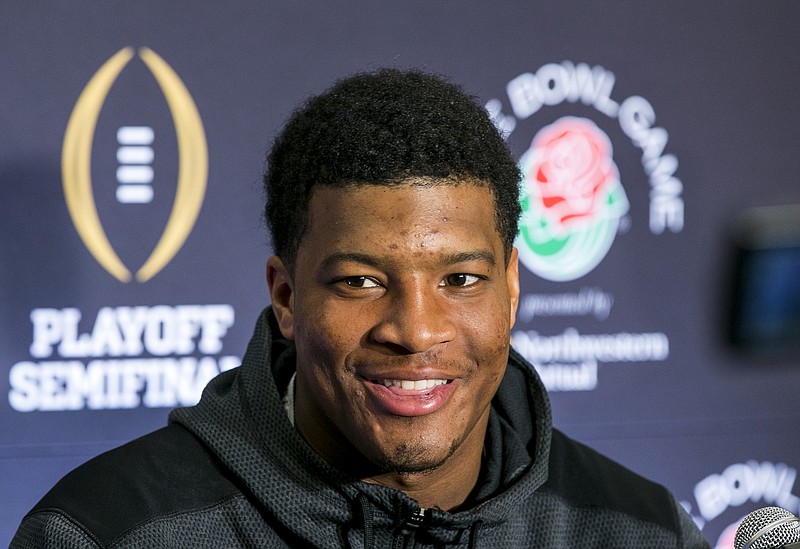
[359, 282]
[460, 279]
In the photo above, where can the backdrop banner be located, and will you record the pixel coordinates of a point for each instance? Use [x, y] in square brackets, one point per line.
[660, 267]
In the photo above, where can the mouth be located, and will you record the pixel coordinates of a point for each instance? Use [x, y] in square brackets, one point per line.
[411, 385]
[410, 397]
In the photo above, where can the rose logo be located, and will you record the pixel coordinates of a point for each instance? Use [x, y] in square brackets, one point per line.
[570, 168]
[572, 200]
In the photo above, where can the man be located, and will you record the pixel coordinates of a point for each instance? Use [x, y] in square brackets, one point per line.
[379, 403]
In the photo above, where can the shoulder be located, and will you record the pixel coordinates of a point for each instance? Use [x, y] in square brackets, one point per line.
[586, 479]
[166, 472]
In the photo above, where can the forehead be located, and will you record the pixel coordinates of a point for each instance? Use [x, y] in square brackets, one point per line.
[408, 216]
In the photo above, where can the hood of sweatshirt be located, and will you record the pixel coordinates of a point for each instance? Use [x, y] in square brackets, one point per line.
[242, 420]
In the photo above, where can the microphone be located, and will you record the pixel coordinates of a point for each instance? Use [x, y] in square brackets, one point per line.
[768, 528]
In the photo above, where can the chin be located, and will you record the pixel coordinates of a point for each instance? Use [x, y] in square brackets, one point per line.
[408, 458]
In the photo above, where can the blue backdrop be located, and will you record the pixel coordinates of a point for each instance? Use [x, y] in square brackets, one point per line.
[132, 139]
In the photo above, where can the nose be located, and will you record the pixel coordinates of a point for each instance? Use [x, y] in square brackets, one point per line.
[415, 319]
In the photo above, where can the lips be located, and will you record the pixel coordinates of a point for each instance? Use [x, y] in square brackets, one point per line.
[410, 397]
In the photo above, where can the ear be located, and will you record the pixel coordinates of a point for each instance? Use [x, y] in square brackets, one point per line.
[512, 280]
[281, 292]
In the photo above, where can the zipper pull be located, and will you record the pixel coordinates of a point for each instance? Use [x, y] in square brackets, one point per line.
[418, 518]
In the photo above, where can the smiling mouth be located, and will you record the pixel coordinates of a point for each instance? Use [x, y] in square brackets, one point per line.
[410, 397]
[411, 385]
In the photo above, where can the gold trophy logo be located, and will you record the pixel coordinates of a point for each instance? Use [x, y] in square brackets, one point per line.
[192, 165]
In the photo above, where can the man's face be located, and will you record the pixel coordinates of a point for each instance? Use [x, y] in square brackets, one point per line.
[400, 307]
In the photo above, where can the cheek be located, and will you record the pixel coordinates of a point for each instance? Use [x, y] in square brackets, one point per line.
[324, 341]
[315, 326]
[488, 327]
[489, 343]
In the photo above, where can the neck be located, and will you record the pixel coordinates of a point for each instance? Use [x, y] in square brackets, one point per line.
[446, 487]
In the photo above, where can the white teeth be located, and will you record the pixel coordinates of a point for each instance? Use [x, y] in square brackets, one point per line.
[413, 385]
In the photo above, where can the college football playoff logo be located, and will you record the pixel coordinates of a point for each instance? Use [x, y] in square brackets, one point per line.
[192, 165]
[572, 200]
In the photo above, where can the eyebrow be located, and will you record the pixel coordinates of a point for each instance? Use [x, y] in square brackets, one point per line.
[378, 263]
[475, 255]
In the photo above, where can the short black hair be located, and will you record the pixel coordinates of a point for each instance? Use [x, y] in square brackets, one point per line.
[384, 128]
